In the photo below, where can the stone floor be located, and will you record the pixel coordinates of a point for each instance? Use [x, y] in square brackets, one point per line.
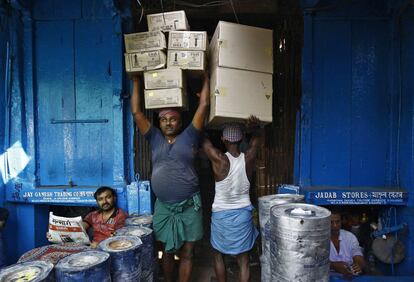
[203, 270]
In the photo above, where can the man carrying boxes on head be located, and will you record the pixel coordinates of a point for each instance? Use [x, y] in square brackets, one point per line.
[177, 220]
[232, 228]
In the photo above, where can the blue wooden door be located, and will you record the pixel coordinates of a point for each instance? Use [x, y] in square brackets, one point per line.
[75, 103]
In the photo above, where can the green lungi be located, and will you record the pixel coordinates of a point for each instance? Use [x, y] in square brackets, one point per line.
[177, 223]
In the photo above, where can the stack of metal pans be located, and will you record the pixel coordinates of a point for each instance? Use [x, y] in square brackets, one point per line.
[147, 253]
[265, 203]
[85, 266]
[33, 271]
[125, 252]
[300, 242]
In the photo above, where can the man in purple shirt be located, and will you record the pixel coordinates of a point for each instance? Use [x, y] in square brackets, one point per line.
[177, 220]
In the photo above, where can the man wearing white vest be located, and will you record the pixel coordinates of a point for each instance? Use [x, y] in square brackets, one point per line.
[232, 229]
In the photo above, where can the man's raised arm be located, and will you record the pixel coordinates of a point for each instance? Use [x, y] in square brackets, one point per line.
[256, 141]
[140, 119]
[202, 110]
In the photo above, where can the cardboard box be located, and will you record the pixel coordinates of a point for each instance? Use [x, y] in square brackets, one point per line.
[187, 60]
[242, 47]
[143, 61]
[237, 94]
[165, 98]
[144, 41]
[187, 40]
[168, 21]
[165, 78]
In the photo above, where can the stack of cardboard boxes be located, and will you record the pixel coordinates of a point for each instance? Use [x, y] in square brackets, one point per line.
[186, 51]
[144, 51]
[241, 67]
[165, 88]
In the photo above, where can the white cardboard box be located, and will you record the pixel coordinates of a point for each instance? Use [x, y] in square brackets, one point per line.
[143, 61]
[165, 98]
[237, 94]
[164, 78]
[187, 40]
[144, 41]
[175, 20]
[242, 47]
[188, 60]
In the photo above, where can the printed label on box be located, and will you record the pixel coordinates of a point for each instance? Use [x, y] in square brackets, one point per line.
[186, 59]
[144, 41]
[187, 40]
[144, 61]
[166, 78]
[167, 21]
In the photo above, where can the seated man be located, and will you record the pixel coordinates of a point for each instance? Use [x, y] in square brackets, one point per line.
[345, 253]
[106, 219]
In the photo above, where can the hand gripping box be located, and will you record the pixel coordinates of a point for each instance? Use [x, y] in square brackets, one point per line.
[144, 41]
[187, 60]
[164, 78]
[143, 61]
[242, 47]
[187, 40]
[165, 98]
[175, 20]
[237, 94]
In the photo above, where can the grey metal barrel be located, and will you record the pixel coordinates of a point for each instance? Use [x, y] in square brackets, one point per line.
[34, 271]
[84, 266]
[265, 203]
[299, 243]
[141, 220]
[147, 253]
[125, 252]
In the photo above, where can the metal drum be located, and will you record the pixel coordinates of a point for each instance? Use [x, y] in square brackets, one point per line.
[125, 254]
[142, 220]
[147, 253]
[265, 203]
[33, 271]
[84, 266]
[299, 242]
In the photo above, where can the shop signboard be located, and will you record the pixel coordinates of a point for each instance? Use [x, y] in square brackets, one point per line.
[18, 192]
[355, 195]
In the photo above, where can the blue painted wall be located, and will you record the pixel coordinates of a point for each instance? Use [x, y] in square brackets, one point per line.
[3, 55]
[406, 143]
[10, 31]
[67, 103]
[347, 132]
[406, 125]
[356, 119]
[3, 65]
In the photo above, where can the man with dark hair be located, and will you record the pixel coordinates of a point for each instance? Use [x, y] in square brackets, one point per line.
[345, 253]
[107, 218]
[232, 229]
[177, 220]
